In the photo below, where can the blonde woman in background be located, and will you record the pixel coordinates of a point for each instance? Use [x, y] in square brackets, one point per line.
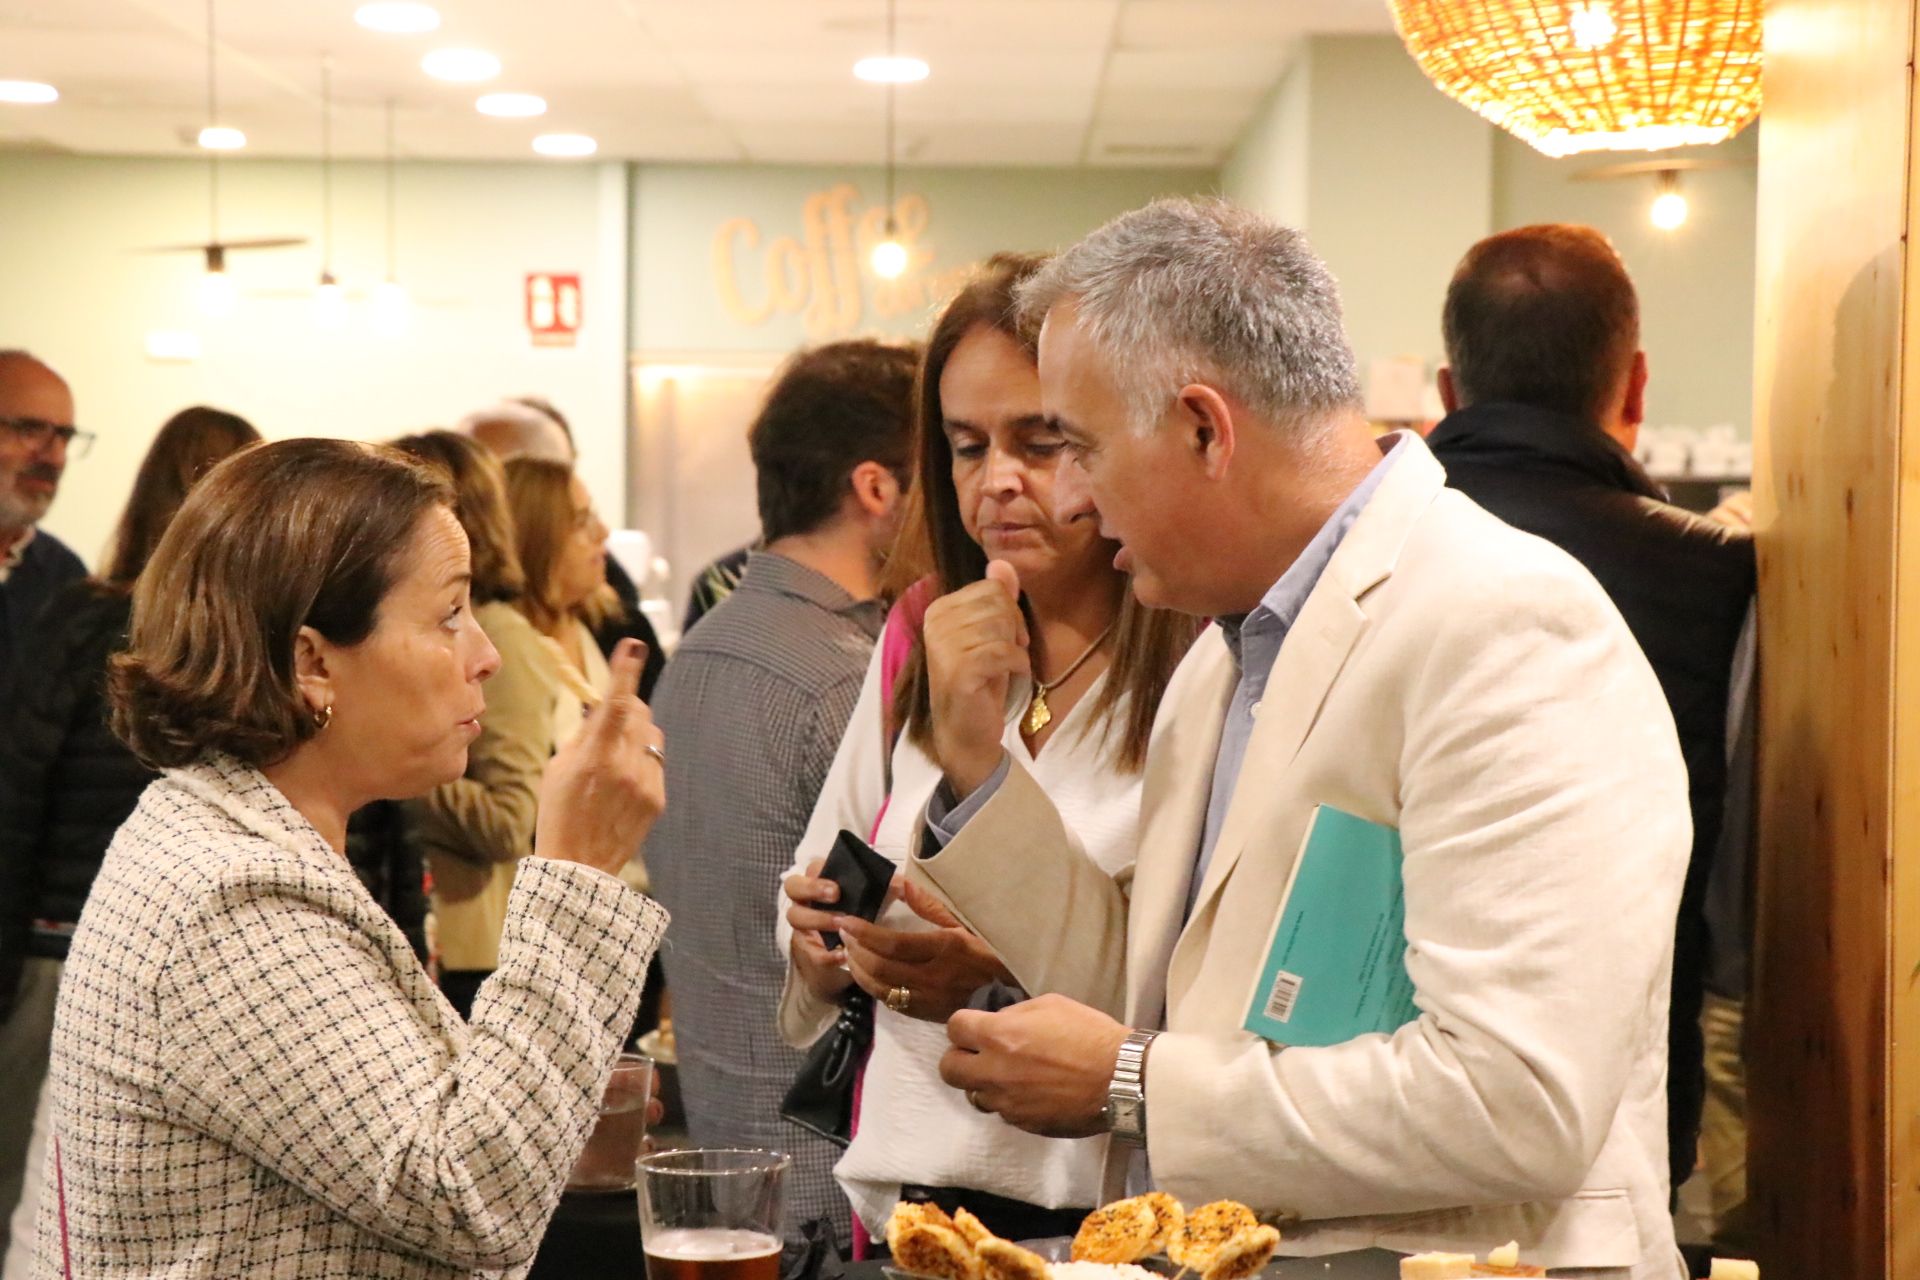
[473, 831]
[562, 544]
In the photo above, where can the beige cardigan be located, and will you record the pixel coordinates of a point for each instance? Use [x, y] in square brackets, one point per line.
[472, 831]
[252, 1075]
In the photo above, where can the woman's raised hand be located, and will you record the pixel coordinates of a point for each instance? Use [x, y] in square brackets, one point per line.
[604, 789]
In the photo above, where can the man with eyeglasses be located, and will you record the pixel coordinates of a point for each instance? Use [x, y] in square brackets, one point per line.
[36, 436]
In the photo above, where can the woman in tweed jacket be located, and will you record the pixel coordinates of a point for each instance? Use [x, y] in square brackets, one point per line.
[252, 1075]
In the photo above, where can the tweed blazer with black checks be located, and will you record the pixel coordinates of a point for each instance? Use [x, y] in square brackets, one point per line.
[252, 1074]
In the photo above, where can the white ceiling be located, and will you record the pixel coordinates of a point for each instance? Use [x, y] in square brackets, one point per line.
[1025, 82]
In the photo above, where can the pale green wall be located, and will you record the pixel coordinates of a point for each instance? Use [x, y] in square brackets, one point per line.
[1392, 182]
[1695, 283]
[79, 293]
[970, 213]
[1399, 183]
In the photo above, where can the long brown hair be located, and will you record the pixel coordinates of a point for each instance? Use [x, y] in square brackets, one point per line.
[1148, 643]
[480, 501]
[540, 496]
[188, 446]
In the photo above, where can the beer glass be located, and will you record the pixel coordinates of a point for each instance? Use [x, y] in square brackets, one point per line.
[712, 1215]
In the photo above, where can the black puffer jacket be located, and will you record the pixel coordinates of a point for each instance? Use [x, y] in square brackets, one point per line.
[66, 783]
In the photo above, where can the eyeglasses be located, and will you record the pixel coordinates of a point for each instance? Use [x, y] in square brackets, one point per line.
[35, 433]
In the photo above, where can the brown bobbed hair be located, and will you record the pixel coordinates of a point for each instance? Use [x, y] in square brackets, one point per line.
[480, 501]
[296, 533]
[540, 498]
[188, 446]
[1148, 643]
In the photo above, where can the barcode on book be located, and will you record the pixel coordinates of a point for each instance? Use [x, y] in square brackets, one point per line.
[1285, 994]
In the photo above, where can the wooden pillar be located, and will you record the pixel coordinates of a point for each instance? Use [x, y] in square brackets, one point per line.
[1834, 1027]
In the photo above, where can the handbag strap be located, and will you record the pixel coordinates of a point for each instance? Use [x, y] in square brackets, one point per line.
[60, 1193]
[897, 641]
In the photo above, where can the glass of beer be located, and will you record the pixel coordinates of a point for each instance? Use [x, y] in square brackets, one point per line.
[712, 1215]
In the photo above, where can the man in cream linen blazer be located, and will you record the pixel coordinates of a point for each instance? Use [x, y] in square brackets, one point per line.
[1446, 675]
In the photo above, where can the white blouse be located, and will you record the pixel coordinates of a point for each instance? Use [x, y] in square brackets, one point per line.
[913, 1128]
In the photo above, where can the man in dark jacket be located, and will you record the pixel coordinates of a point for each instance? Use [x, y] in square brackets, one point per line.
[36, 432]
[1545, 392]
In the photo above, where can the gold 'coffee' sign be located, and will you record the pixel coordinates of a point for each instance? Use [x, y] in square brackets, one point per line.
[822, 274]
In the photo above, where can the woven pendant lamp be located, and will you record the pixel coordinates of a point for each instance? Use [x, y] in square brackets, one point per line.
[1594, 75]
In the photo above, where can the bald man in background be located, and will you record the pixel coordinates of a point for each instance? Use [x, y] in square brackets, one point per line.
[36, 427]
[533, 428]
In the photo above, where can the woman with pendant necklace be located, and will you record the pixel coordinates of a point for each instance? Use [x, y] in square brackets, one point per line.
[985, 466]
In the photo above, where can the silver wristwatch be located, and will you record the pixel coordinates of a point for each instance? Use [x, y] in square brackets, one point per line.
[1127, 1095]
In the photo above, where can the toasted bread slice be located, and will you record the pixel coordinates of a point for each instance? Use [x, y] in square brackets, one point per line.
[907, 1215]
[1206, 1230]
[928, 1249]
[1169, 1216]
[1242, 1257]
[1121, 1232]
[971, 1229]
[1002, 1260]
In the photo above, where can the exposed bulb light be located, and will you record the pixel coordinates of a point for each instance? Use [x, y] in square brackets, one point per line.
[220, 137]
[462, 66]
[27, 93]
[1592, 26]
[329, 303]
[216, 294]
[890, 70]
[392, 309]
[398, 17]
[1669, 208]
[511, 106]
[889, 258]
[565, 146]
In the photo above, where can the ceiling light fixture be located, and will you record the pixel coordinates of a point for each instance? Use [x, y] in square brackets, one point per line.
[511, 106]
[27, 93]
[1669, 209]
[1594, 75]
[329, 299]
[890, 70]
[216, 136]
[391, 308]
[565, 146]
[398, 17]
[462, 66]
[889, 258]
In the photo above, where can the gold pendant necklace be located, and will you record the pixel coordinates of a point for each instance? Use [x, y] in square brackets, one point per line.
[1039, 714]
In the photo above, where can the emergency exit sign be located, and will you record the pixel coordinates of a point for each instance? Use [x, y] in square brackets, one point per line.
[553, 309]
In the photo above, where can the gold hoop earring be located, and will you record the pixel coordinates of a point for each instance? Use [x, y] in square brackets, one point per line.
[323, 717]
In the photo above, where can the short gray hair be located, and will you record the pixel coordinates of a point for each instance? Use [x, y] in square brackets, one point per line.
[1188, 290]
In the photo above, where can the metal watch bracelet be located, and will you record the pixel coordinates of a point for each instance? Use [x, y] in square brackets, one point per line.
[1127, 1094]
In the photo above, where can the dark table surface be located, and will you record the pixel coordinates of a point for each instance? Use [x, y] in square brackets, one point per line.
[596, 1236]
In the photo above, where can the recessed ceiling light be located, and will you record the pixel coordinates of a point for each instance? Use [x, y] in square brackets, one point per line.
[890, 70]
[220, 137]
[565, 145]
[511, 106]
[398, 17]
[27, 93]
[461, 65]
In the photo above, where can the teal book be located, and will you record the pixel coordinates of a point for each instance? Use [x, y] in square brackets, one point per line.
[1336, 965]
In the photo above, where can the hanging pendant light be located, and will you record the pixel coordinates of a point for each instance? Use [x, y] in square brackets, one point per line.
[329, 299]
[391, 309]
[216, 294]
[1594, 75]
[889, 257]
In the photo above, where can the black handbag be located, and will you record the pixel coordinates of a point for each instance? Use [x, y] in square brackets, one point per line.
[820, 1099]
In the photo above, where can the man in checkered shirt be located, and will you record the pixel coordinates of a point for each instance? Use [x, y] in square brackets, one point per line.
[755, 702]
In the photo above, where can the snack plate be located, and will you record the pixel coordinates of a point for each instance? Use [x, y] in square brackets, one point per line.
[1365, 1264]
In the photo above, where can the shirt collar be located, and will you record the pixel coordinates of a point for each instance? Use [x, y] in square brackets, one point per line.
[17, 553]
[769, 571]
[1508, 432]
